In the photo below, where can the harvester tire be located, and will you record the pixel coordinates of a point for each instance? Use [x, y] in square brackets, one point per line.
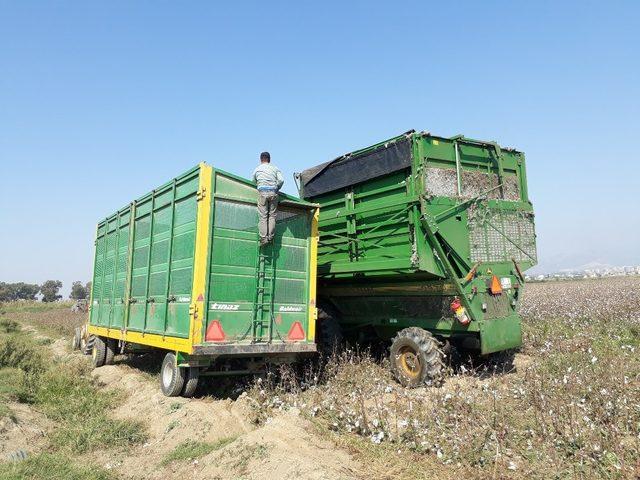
[171, 376]
[329, 334]
[191, 382]
[111, 347]
[416, 358]
[99, 352]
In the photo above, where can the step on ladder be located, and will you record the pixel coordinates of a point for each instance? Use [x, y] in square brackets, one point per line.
[263, 301]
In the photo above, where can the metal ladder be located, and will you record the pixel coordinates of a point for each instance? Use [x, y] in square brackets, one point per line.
[265, 285]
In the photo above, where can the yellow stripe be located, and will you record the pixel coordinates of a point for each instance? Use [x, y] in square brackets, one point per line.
[313, 271]
[198, 301]
[150, 339]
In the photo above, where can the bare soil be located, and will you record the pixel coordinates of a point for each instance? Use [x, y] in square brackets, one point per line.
[284, 447]
[25, 430]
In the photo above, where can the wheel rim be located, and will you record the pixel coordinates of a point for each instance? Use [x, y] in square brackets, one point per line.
[94, 352]
[167, 375]
[409, 362]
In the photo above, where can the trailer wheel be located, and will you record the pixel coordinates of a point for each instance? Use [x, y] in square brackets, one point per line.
[86, 346]
[98, 352]
[77, 339]
[416, 357]
[111, 347]
[171, 376]
[329, 334]
[191, 382]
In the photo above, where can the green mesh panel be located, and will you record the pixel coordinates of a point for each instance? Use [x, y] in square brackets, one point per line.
[295, 259]
[123, 239]
[162, 220]
[143, 227]
[185, 211]
[109, 265]
[234, 251]
[119, 291]
[232, 288]
[289, 291]
[236, 216]
[106, 290]
[140, 257]
[183, 246]
[181, 281]
[122, 262]
[159, 252]
[293, 224]
[139, 285]
[157, 283]
[111, 241]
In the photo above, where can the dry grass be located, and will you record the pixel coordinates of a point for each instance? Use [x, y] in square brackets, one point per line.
[568, 406]
[61, 389]
[54, 319]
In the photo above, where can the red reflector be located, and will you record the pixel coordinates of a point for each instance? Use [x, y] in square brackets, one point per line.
[296, 332]
[214, 332]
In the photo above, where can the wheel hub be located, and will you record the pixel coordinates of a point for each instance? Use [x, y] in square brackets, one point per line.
[409, 362]
[167, 376]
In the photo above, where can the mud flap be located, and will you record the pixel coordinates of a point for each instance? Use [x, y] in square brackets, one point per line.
[500, 334]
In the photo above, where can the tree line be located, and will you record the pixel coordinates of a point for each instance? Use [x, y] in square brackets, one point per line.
[49, 291]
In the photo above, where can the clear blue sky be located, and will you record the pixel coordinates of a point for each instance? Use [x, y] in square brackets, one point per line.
[102, 101]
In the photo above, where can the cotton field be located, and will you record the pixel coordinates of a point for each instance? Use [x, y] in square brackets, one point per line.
[614, 298]
[566, 405]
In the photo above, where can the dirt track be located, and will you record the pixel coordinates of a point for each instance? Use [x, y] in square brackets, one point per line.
[283, 447]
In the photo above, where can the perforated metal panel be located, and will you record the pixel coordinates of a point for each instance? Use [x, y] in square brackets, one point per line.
[497, 235]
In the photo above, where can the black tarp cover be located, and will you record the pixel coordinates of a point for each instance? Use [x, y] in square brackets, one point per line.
[356, 168]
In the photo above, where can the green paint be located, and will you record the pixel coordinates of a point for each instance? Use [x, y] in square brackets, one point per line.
[399, 246]
[144, 263]
[246, 313]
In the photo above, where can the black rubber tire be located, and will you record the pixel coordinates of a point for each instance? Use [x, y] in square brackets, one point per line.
[99, 352]
[111, 348]
[416, 358]
[191, 382]
[171, 376]
[328, 332]
[87, 346]
[75, 341]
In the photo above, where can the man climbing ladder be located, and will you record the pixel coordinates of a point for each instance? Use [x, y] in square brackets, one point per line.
[269, 181]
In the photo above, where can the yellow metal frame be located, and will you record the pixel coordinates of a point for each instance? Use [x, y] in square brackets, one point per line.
[198, 301]
[150, 339]
[313, 272]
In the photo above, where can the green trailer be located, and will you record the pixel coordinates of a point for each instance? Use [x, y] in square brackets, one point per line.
[423, 241]
[181, 270]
